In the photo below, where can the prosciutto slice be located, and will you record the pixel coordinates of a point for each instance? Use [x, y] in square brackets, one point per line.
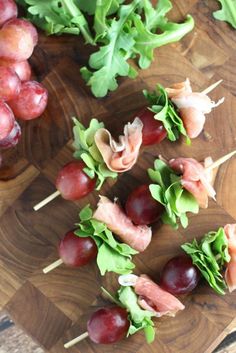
[120, 156]
[110, 213]
[194, 178]
[230, 273]
[155, 299]
[192, 106]
[179, 88]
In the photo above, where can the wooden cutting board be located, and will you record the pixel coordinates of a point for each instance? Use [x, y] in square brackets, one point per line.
[54, 308]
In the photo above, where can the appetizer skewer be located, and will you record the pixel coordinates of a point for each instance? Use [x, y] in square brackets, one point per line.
[173, 111]
[137, 301]
[143, 299]
[144, 206]
[100, 157]
[93, 239]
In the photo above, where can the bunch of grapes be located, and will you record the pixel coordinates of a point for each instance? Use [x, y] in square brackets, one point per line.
[19, 97]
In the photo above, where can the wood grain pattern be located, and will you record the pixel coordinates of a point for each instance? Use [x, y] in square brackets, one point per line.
[54, 308]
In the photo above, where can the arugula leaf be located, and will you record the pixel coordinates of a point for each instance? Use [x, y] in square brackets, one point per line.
[210, 255]
[112, 255]
[227, 12]
[156, 16]
[139, 319]
[146, 41]
[166, 112]
[123, 31]
[86, 149]
[90, 6]
[110, 61]
[169, 191]
[58, 16]
[102, 10]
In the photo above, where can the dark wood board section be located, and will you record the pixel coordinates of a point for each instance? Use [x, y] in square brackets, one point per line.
[54, 308]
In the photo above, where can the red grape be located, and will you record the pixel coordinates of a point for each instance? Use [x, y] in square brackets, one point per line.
[75, 251]
[31, 101]
[6, 120]
[8, 10]
[108, 325]
[179, 275]
[73, 183]
[13, 138]
[9, 84]
[26, 26]
[153, 130]
[141, 208]
[16, 42]
[22, 68]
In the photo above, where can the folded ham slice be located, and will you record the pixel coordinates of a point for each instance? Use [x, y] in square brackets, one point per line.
[194, 178]
[179, 88]
[230, 273]
[192, 106]
[120, 156]
[110, 213]
[155, 299]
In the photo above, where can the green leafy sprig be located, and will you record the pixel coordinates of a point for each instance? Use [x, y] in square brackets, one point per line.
[227, 12]
[110, 60]
[129, 36]
[86, 149]
[166, 112]
[58, 17]
[123, 30]
[139, 319]
[210, 256]
[168, 190]
[112, 255]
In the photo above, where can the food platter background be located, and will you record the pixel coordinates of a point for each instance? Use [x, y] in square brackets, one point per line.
[54, 308]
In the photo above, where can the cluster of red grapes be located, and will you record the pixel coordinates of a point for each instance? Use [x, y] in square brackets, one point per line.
[19, 97]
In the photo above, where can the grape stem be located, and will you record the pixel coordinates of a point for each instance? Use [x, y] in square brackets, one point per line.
[211, 87]
[220, 161]
[47, 200]
[52, 266]
[76, 340]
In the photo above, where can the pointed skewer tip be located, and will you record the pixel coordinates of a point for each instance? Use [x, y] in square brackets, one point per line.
[220, 161]
[211, 87]
[47, 200]
[76, 340]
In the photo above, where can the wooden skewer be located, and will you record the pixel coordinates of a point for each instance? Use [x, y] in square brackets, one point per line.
[52, 266]
[220, 161]
[76, 340]
[211, 87]
[47, 200]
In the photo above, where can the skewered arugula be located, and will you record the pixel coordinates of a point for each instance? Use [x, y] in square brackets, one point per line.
[123, 30]
[168, 190]
[139, 319]
[112, 255]
[210, 256]
[86, 149]
[165, 112]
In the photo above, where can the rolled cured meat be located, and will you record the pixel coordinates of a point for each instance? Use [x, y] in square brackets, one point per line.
[110, 213]
[230, 273]
[194, 178]
[192, 106]
[155, 299]
[120, 156]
